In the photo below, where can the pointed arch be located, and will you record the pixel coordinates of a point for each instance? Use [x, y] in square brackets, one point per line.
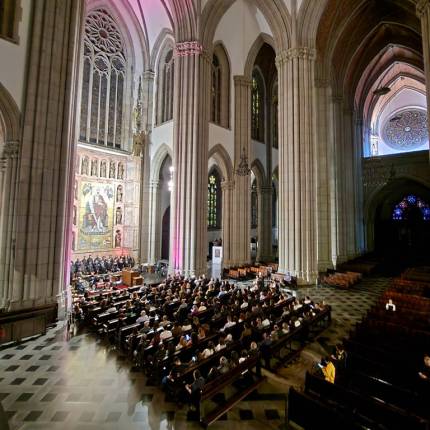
[10, 116]
[157, 160]
[275, 12]
[165, 33]
[261, 39]
[259, 172]
[165, 81]
[220, 88]
[220, 155]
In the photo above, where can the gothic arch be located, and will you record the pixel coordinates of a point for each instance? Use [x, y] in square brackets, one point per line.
[159, 46]
[259, 172]
[380, 194]
[222, 117]
[10, 116]
[275, 12]
[261, 39]
[157, 160]
[164, 113]
[220, 155]
[123, 23]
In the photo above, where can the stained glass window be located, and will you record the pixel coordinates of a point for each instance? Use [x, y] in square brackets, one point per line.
[257, 107]
[401, 210]
[214, 201]
[102, 98]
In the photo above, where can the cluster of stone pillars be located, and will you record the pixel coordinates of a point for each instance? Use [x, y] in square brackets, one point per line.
[319, 216]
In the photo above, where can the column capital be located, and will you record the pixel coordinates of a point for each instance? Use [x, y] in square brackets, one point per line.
[423, 7]
[149, 75]
[10, 150]
[301, 53]
[242, 80]
[322, 83]
[186, 49]
[265, 189]
[154, 183]
[337, 99]
[227, 185]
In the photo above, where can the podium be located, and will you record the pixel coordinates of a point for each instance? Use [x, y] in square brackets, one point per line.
[217, 255]
[128, 277]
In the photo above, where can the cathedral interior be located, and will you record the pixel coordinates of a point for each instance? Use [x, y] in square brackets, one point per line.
[252, 173]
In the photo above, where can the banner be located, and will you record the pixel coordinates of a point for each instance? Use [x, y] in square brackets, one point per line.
[96, 212]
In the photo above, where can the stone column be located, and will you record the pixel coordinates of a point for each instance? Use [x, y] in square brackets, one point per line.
[145, 194]
[324, 156]
[154, 222]
[297, 187]
[358, 178]
[348, 173]
[338, 190]
[43, 211]
[8, 186]
[423, 12]
[241, 253]
[188, 244]
[264, 251]
[227, 222]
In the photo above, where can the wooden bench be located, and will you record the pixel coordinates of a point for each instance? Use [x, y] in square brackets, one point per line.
[219, 411]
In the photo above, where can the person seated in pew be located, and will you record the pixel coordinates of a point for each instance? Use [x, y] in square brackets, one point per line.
[187, 325]
[221, 344]
[230, 323]
[229, 339]
[111, 309]
[213, 374]
[328, 370]
[234, 359]
[285, 328]
[177, 329]
[201, 332]
[183, 343]
[390, 306]
[224, 366]
[165, 334]
[165, 321]
[210, 350]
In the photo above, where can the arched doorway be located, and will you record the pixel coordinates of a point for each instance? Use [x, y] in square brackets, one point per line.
[165, 235]
[402, 221]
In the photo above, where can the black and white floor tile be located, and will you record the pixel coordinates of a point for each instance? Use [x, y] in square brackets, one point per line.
[84, 384]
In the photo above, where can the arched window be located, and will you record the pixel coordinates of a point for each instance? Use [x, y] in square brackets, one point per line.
[411, 202]
[166, 79]
[220, 88]
[274, 107]
[216, 91]
[214, 200]
[254, 204]
[257, 107]
[103, 81]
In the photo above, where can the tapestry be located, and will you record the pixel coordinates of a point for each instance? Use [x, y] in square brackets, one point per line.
[96, 212]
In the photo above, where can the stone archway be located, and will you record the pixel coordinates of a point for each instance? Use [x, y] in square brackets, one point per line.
[397, 221]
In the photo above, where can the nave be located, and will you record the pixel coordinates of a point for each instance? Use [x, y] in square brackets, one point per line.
[85, 383]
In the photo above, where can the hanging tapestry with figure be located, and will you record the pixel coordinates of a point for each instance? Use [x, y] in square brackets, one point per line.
[96, 211]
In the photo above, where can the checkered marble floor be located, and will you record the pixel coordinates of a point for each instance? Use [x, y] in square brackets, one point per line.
[82, 383]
